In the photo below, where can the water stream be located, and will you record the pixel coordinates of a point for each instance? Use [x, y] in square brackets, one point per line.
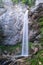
[7, 20]
[25, 40]
[25, 35]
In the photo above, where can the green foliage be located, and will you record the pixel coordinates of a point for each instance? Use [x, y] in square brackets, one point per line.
[41, 21]
[10, 48]
[41, 29]
[15, 1]
[27, 2]
[38, 58]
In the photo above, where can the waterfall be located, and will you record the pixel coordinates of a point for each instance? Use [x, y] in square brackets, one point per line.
[25, 35]
[38, 1]
[11, 22]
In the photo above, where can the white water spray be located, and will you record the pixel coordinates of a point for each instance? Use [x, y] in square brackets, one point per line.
[25, 35]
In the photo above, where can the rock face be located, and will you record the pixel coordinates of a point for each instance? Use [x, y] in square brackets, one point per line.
[11, 22]
[36, 13]
[38, 2]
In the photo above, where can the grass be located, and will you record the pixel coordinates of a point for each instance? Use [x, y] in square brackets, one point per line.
[10, 48]
[38, 59]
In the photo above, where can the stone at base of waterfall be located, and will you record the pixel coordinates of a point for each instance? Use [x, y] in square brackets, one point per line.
[17, 51]
[22, 61]
[35, 50]
[38, 37]
[36, 42]
[22, 56]
[25, 56]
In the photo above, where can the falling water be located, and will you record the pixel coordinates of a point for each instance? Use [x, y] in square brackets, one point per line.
[25, 35]
[9, 22]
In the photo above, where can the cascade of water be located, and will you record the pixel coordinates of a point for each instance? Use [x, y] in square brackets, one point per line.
[18, 13]
[25, 35]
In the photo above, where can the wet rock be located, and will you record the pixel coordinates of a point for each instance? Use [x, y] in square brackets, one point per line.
[36, 41]
[2, 11]
[35, 50]
[18, 51]
[38, 37]
[12, 24]
[5, 52]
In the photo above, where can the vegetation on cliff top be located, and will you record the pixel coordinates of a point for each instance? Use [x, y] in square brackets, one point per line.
[27, 2]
